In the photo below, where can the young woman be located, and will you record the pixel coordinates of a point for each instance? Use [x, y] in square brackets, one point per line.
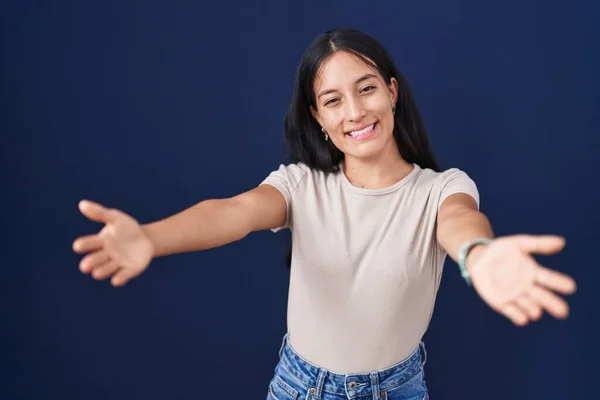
[372, 220]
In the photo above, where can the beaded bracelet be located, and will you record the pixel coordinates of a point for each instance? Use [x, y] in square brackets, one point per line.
[462, 256]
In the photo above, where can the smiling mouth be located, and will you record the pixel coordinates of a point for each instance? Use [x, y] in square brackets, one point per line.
[363, 133]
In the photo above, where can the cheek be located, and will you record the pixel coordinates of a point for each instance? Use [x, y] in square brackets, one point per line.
[333, 121]
[386, 115]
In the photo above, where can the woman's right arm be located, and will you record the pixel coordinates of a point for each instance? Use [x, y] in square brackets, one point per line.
[217, 222]
[123, 248]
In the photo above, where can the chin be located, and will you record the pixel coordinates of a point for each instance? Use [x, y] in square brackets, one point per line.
[367, 150]
[371, 148]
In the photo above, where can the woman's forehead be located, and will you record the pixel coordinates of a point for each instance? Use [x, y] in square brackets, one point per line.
[343, 68]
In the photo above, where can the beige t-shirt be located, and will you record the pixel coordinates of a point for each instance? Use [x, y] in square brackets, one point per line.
[366, 265]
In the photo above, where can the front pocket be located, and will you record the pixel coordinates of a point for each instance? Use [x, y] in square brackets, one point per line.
[414, 388]
[280, 390]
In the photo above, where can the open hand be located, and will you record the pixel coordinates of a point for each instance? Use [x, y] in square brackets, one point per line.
[120, 250]
[510, 281]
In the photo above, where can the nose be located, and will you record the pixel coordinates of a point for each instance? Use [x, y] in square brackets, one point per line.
[354, 109]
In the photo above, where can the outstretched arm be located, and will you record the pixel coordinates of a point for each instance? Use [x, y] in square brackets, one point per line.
[123, 248]
[459, 221]
[217, 222]
[504, 272]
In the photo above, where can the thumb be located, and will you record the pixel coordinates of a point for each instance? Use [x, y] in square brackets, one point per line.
[541, 244]
[96, 212]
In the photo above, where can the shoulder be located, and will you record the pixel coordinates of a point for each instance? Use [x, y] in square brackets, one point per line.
[441, 185]
[455, 177]
[288, 176]
[299, 169]
[441, 179]
[292, 171]
[456, 180]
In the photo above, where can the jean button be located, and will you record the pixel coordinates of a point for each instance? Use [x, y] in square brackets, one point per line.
[352, 385]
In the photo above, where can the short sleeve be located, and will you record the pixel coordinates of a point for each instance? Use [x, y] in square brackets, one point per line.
[456, 181]
[286, 179]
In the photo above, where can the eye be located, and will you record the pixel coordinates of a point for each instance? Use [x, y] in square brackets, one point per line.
[330, 102]
[369, 88]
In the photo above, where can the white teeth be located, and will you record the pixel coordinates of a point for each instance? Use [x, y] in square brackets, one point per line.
[362, 131]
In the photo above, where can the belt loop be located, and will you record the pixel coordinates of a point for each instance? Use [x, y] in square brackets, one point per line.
[320, 382]
[375, 385]
[283, 344]
[423, 353]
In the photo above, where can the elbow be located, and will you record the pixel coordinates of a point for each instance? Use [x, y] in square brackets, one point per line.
[240, 219]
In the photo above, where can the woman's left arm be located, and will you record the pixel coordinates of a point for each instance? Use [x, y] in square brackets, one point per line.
[504, 272]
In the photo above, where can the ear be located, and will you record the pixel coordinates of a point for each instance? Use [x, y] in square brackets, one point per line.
[393, 87]
[316, 115]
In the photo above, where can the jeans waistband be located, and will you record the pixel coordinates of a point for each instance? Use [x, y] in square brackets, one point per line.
[350, 385]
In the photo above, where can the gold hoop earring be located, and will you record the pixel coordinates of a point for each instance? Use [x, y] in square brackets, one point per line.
[326, 135]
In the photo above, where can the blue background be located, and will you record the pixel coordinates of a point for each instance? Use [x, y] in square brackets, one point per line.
[153, 106]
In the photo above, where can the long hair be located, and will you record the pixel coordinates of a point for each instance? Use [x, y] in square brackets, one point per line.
[304, 138]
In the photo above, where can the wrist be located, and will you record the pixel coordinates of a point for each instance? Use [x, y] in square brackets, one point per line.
[147, 229]
[474, 255]
[469, 253]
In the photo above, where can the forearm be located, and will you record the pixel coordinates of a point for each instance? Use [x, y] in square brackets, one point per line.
[208, 224]
[460, 227]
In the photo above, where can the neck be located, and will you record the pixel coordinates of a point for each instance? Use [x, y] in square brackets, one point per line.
[385, 170]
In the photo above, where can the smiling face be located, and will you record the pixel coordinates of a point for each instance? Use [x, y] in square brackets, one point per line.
[354, 106]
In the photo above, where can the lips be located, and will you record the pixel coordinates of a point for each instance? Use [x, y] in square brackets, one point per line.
[363, 133]
[361, 130]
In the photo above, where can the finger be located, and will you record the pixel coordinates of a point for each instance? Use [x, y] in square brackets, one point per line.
[530, 307]
[513, 313]
[556, 306]
[105, 270]
[555, 280]
[541, 244]
[86, 244]
[121, 277]
[94, 211]
[93, 260]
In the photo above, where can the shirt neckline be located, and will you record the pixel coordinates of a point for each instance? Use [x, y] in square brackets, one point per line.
[383, 190]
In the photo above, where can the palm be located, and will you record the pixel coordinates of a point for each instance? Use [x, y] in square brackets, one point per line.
[510, 281]
[121, 249]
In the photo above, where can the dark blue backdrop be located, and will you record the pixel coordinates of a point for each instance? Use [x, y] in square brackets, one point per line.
[152, 106]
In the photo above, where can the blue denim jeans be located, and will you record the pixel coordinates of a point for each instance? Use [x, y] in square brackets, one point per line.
[297, 379]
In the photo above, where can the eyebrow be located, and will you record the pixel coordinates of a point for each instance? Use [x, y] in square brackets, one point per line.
[362, 78]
